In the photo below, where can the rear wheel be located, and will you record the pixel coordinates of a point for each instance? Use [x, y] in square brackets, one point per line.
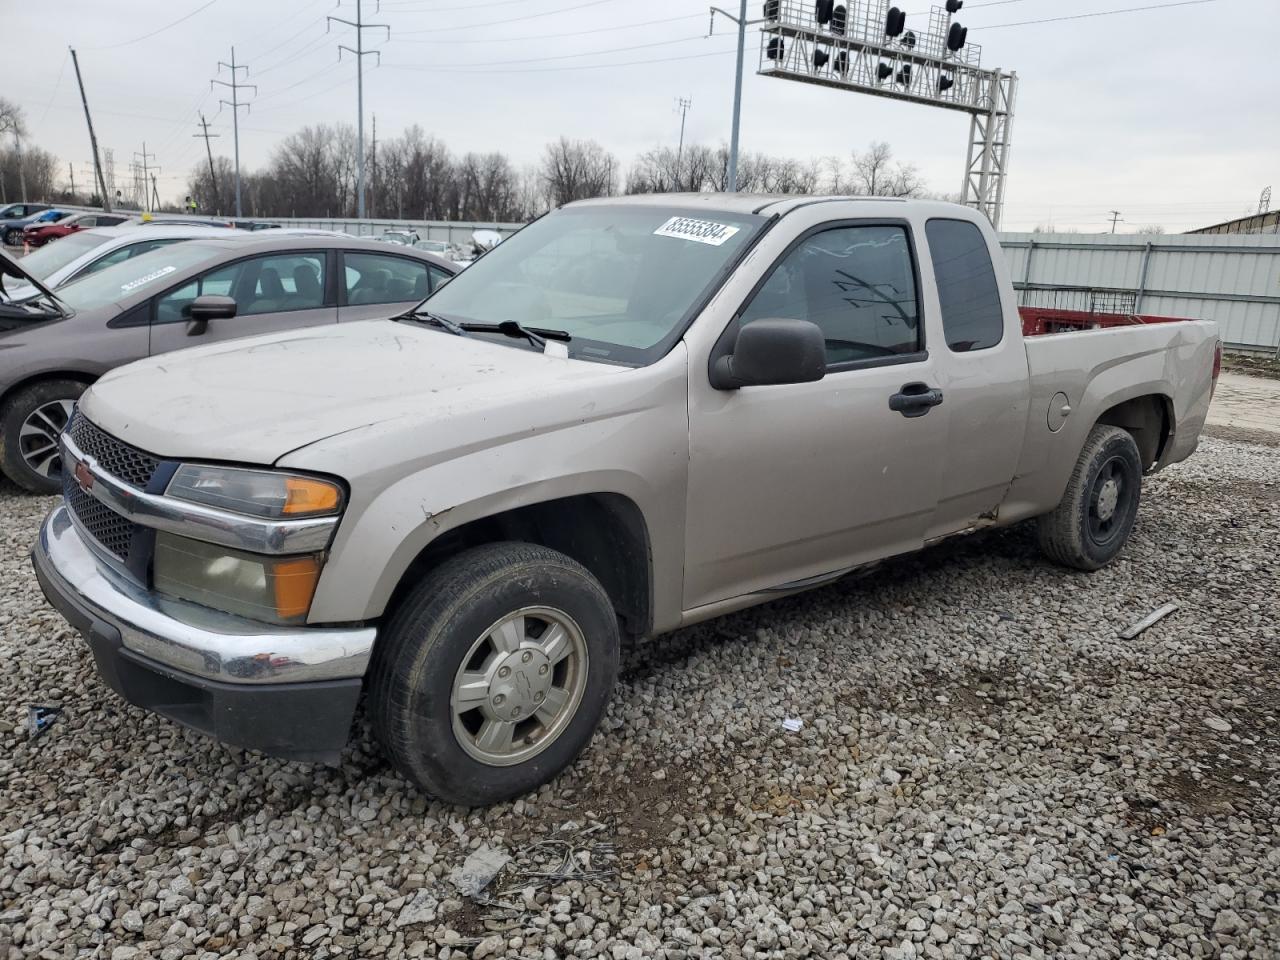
[30, 425]
[1092, 523]
[494, 672]
[13, 237]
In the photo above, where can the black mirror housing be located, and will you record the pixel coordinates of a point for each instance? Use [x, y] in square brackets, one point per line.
[212, 307]
[770, 352]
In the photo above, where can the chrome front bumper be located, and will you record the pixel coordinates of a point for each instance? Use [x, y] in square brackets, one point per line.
[188, 638]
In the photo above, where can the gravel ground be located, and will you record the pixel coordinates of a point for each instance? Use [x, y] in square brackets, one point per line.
[983, 770]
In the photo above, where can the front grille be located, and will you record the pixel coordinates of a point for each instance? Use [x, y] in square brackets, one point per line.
[112, 531]
[115, 457]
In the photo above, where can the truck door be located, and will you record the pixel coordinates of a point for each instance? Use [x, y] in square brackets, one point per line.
[983, 369]
[795, 482]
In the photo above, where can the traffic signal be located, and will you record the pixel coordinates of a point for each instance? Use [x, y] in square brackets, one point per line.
[908, 39]
[953, 6]
[771, 9]
[956, 37]
[822, 11]
[895, 22]
[839, 20]
[904, 75]
[775, 49]
[842, 62]
[820, 58]
[884, 71]
[945, 83]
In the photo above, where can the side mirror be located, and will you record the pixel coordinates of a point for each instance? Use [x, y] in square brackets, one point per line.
[211, 307]
[772, 352]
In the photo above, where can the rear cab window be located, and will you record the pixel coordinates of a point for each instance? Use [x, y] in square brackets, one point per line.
[972, 316]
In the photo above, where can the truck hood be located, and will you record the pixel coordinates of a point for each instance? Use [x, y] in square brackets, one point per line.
[255, 400]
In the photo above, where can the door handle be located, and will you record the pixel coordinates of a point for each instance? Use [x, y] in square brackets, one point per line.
[915, 399]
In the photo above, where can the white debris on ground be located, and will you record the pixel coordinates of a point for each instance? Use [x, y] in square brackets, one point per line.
[985, 769]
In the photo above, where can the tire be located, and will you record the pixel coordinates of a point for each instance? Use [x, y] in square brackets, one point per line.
[13, 237]
[1092, 523]
[29, 426]
[459, 621]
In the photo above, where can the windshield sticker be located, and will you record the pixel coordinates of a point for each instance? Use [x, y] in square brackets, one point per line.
[143, 281]
[700, 231]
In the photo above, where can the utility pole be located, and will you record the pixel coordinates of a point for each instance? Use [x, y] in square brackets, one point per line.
[235, 105]
[742, 22]
[1115, 217]
[373, 174]
[213, 177]
[22, 175]
[71, 172]
[145, 170]
[155, 194]
[93, 140]
[360, 53]
[683, 105]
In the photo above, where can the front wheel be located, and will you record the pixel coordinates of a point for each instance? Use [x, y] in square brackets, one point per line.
[30, 425]
[494, 672]
[1092, 523]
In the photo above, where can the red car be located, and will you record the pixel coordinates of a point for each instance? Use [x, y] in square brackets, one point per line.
[38, 234]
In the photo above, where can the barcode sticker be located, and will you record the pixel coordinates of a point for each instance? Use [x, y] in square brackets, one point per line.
[699, 231]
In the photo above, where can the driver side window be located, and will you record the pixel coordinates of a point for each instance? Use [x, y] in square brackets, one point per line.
[858, 284]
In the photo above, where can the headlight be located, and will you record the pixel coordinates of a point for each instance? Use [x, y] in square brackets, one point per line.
[257, 493]
[270, 589]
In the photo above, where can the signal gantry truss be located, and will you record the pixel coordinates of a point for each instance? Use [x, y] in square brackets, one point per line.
[865, 46]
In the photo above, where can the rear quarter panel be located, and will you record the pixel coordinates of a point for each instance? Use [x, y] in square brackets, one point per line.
[1096, 370]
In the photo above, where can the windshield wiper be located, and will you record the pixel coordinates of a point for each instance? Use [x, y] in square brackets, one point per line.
[444, 323]
[538, 336]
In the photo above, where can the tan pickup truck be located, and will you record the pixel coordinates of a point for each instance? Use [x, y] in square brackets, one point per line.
[631, 416]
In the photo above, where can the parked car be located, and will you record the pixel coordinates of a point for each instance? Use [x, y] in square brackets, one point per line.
[11, 230]
[404, 237]
[92, 250]
[38, 234]
[19, 211]
[633, 415]
[183, 294]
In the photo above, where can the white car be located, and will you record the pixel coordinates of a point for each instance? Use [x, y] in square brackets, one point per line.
[88, 251]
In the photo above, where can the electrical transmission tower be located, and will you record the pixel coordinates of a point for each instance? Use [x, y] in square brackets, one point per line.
[1264, 201]
[235, 86]
[360, 53]
[213, 177]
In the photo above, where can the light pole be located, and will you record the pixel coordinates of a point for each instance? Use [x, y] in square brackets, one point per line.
[742, 22]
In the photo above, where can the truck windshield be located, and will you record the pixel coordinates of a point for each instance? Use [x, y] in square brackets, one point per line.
[622, 280]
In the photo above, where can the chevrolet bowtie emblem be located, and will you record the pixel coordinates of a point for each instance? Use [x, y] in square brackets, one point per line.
[83, 477]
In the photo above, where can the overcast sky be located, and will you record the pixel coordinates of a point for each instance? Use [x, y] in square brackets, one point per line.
[1137, 112]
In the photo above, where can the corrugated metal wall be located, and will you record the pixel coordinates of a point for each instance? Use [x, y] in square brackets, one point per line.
[1233, 279]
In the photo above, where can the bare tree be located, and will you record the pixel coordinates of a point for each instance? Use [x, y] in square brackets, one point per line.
[875, 174]
[12, 122]
[577, 169]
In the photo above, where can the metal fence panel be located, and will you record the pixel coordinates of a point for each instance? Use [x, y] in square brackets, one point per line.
[1233, 279]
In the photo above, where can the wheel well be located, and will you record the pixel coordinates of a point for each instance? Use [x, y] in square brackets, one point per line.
[605, 532]
[1149, 420]
[85, 378]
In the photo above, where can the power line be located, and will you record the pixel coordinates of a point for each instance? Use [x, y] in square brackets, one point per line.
[530, 16]
[557, 36]
[589, 66]
[154, 33]
[589, 53]
[1099, 13]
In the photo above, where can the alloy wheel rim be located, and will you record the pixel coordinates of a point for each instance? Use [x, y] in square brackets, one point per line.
[38, 437]
[519, 686]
